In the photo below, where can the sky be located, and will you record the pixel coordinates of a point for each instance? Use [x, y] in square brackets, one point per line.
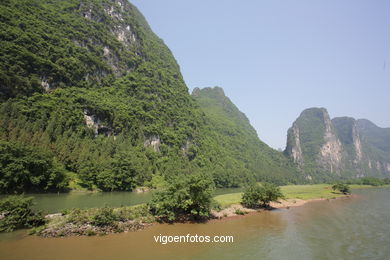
[275, 58]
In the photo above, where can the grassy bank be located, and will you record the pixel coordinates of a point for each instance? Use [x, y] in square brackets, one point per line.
[304, 192]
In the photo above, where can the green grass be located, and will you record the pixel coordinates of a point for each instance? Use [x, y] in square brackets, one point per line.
[305, 192]
[226, 200]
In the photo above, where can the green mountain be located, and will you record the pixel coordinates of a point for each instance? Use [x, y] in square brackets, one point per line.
[376, 136]
[340, 148]
[232, 130]
[90, 94]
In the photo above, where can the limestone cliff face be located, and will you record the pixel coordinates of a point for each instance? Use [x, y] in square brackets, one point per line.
[330, 156]
[357, 144]
[295, 149]
[342, 146]
[313, 139]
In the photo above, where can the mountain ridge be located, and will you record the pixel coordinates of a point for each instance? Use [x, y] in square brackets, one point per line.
[337, 148]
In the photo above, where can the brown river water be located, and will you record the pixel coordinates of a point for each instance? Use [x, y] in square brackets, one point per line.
[347, 228]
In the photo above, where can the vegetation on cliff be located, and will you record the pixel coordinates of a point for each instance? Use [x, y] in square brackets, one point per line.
[338, 149]
[231, 130]
[89, 83]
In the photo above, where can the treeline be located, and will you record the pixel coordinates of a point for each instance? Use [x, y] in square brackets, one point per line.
[369, 181]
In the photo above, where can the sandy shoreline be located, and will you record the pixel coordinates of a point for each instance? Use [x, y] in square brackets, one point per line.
[237, 210]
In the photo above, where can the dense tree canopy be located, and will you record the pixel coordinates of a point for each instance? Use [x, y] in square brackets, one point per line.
[88, 82]
[23, 168]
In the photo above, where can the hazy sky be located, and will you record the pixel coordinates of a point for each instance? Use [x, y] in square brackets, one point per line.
[275, 58]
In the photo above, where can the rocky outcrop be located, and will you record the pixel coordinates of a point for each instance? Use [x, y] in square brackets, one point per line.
[357, 144]
[331, 152]
[153, 142]
[342, 146]
[94, 122]
[295, 149]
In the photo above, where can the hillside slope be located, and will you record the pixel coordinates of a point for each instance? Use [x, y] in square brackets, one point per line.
[239, 139]
[91, 83]
[89, 86]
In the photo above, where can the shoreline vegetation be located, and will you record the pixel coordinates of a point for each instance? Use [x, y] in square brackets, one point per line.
[102, 221]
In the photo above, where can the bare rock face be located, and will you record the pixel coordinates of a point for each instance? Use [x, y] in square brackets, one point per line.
[94, 122]
[154, 142]
[120, 27]
[312, 139]
[332, 150]
[295, 149]
[357, 143]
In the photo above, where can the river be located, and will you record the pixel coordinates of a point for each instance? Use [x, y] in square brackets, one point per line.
[347, 228]
[55, 202]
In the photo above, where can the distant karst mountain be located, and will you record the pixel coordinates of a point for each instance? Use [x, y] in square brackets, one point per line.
[340, 148]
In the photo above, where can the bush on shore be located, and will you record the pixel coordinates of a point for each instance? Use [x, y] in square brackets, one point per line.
[97, 221]
[16, 212]
[187, 197]
[255, 195]
[341, 187]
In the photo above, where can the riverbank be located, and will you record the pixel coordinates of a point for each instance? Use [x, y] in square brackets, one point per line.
[295, 192]
[295, 196]
[101, 221]
[313, 231]
[236, 210]
[95, 221]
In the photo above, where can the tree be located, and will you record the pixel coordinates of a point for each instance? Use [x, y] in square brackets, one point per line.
[256, 195]
[252, 195]
[271, 193]
[187, 197]
[342, 187]
[16, 212]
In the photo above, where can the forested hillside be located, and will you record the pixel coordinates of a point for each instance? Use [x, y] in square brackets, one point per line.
[239, 140]
[90, 84]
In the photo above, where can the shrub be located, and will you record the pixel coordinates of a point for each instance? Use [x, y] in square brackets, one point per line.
[188, 197]
[252, 196]
[342, 187]
[271, 193]
[16, 212]
[77, 216]
[104, 217]
[240, 212]
[133, 212]
[256, 195]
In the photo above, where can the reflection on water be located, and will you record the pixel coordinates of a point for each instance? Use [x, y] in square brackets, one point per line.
[352, 228]
[53, 202]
